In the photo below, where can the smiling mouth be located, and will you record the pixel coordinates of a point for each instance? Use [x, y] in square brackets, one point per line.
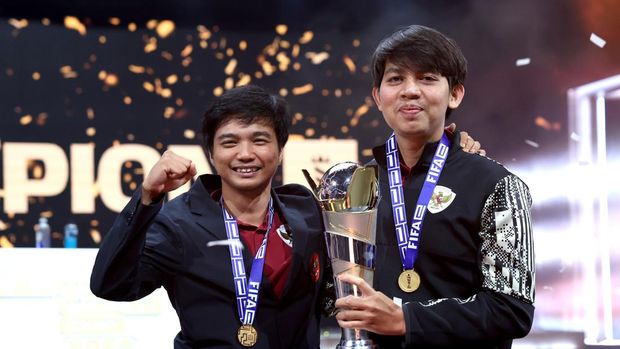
[246, 169]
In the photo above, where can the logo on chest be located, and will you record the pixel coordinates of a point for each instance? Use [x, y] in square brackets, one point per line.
[285, 234]
[441, 199]
[315, 267]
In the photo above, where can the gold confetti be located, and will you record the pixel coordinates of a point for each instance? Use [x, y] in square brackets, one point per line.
[309, 132]
[186, 62]
[111, 80]
[228, 83]
[317, 58]
[167, 56]
[37, 171]
[283, 92]
[45, 21]
[187, 78]
[95, 235]
[189, 134]
[168, 112]
[151, 24]
[295, 51]
[102, 39]
[90, 113]
[285, 44]
[36, 76]
[306, 37]
[187, 50]
[338, 93]
[230, 67]
[361, 111]
[349, 63]
[244, 79]
[166, 93]
[131, 137]
[218, 91]
[3, 226]
[68, 72]
[344, 129]
[133, 186]
[243, 45]
[136, 69]
[127, 100]
[148, 86]
[230, 52]
[18, 24]
[356, 43]
[90, 132]
[127, 177]
[165, 28]
[179, 102]
[115, 20]
[546, 124]
[73, 23]
[281, 29]
[203, 32]
[283, 60]
[151, 45]
[367, 152]
[41, 119]
[172, 79]
[5, 243]
[132, 27]
[26, 119]
[296, 66]
[300, 90]
[268, 68]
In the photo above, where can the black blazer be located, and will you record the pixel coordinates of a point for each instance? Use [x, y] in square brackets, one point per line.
[166, 245]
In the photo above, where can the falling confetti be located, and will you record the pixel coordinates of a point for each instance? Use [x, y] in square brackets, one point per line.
[302, 89]
[597, 40]
[165, 28]
[522, 61]
[18, 23]
[575, 137]
[531, 143]
[74, 23]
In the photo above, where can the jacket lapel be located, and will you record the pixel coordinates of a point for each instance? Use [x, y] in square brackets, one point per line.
[300, 232]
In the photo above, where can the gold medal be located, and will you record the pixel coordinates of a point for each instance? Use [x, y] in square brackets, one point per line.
[409, 280]
[247, 336]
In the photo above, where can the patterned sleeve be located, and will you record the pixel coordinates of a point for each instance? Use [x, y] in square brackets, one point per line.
[507, 246]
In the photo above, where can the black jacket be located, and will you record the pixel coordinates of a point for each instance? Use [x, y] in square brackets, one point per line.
[153, 246]
[475, 258]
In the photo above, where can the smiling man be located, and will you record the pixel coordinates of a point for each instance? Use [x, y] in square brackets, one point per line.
[454, 236]
[262, 287]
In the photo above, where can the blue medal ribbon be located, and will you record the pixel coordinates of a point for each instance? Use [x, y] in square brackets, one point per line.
[408, 243]
[246, 290]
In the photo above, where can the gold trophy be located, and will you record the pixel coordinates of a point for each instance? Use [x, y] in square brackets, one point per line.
[349, 194]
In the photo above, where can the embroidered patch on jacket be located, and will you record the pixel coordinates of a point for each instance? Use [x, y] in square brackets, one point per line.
[441, 199]
[315, 267]
[284, 234]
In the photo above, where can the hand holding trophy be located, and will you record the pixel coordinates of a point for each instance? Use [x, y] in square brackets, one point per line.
[349, 194]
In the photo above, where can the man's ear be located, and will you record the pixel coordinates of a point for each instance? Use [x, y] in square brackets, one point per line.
[377, 98]
[456, 96]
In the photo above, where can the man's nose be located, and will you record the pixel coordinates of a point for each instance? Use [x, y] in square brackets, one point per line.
[411, 89]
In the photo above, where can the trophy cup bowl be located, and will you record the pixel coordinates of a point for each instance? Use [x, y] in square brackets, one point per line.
[348, 194]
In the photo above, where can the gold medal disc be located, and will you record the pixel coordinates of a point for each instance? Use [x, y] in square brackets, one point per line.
[247, 336]
[409, 281]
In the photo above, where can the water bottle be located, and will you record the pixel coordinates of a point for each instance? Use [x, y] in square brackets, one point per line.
[71, 235]
[43, 234]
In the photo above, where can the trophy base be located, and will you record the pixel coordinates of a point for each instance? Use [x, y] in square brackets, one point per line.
[356, 344]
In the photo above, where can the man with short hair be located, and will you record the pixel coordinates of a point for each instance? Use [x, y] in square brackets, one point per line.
[202, 246]
[454, 237]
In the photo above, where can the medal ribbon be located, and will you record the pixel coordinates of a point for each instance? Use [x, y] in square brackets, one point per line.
[246, 290]
[408, 244]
